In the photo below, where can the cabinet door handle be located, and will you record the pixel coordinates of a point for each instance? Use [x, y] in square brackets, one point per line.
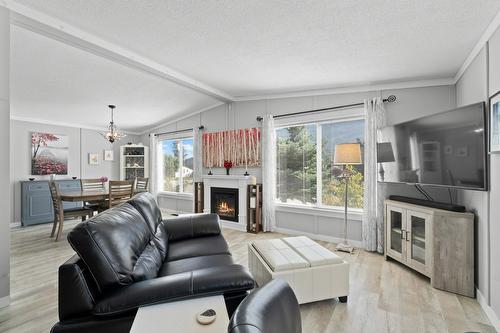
[403, 234]
[407, 236]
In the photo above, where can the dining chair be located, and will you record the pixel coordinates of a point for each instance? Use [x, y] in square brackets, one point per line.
[94, 185]
[91, 184]
[119, 192]
[141, 184]
[60, 213]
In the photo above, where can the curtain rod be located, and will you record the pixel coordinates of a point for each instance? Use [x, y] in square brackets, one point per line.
[389, 99]
[178, 131]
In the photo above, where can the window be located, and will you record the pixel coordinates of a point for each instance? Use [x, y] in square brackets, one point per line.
[176, 165]
[305, 171]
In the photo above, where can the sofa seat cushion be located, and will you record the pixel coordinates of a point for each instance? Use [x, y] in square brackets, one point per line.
[117, 247]
[191, 264]
[278, 255]
[197, 247]
[197, 283]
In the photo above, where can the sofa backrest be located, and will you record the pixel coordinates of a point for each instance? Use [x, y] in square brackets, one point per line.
[145, 203]
[119, 247]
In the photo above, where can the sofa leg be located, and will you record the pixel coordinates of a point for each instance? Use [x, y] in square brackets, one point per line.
[343, 299]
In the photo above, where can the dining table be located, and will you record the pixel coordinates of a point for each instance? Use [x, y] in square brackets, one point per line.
[87, 195]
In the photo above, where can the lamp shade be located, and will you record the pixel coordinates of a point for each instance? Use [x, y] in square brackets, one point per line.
[347, 153]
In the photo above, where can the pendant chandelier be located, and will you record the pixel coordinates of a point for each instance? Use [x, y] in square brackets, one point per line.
[112, 134]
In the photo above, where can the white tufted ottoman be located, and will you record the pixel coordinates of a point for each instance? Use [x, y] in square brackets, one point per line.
[314, 272]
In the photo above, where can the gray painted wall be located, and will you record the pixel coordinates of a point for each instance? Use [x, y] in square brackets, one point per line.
[81, 142]
[411, 103]
[4, 148]
[472, 88]
[480, 81]
[494, 212]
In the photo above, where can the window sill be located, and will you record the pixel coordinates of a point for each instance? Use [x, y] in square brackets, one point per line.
[177, 195]
[352, 213]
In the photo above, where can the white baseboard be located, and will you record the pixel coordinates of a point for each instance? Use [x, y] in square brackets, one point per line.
[492, 316]
[15, 224]
[233, 225]
[4, 301]
[358, 244]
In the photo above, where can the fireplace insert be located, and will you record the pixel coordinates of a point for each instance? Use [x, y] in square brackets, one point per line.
[224, 202]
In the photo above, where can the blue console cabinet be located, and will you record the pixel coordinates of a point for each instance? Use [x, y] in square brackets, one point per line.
[36, 202]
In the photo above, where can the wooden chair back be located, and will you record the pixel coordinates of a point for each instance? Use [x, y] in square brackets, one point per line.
[56, 197]
[120, 191]
[141, 184]
[91, 184]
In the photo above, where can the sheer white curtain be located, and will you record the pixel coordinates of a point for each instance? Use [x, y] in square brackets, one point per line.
[153, 164]
[268, 172]
[373, 210]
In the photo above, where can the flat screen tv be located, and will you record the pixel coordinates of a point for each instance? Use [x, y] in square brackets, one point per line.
[445, 149]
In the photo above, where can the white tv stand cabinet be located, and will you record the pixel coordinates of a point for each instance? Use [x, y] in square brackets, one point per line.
[435, 242]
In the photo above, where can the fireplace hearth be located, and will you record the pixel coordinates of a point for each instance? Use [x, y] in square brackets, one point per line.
[224, 202]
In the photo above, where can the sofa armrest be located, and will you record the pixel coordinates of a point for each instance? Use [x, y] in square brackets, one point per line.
[202, 282]
[192, 226]
[75, 297]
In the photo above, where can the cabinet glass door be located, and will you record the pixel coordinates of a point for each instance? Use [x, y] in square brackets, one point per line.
[419, 239]
[396, 231]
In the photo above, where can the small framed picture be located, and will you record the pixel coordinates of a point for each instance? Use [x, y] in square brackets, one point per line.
[448, 149]
[462, 151]
[108, 155]
[495, 123]
[93, 159]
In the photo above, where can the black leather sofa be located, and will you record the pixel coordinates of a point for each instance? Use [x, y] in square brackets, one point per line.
[128, 257]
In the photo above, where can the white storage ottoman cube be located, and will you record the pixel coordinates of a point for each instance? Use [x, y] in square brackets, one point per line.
[314, 272]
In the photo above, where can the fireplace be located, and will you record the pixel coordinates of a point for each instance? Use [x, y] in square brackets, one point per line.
[224, 202]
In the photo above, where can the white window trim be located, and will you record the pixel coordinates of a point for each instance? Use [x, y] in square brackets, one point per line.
[320, 119]
[178, 195]
[353, 214]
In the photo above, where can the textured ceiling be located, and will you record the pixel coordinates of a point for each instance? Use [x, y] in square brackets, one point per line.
[262, 46]
[52, 81]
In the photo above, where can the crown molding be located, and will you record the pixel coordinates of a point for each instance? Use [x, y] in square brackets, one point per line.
[352, 89]
[65, 124]
[33, 20]
[169, 122]
[490, 30]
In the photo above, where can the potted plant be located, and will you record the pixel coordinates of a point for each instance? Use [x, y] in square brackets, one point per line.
[228, 165]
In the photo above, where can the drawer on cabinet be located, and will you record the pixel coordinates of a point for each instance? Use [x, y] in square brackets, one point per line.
[38, 187]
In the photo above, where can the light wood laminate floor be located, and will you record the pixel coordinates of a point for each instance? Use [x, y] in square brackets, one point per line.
[384, 296]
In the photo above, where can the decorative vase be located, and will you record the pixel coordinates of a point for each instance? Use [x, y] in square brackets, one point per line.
[227, 171]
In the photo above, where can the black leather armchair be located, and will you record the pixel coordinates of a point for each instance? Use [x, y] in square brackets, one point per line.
[270, 309]
[128, 257]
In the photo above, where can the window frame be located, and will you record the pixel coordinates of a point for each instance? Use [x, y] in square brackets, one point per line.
[159, 170]
[318, 120]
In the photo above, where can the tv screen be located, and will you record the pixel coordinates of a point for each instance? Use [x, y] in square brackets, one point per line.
[444, 149]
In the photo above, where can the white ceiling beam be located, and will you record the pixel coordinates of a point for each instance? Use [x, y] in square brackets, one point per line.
[353, 89]
[51, 27]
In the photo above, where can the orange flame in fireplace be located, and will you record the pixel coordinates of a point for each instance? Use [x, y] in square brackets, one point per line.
[224, 208]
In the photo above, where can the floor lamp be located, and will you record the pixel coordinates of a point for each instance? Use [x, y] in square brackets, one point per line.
[346, 154]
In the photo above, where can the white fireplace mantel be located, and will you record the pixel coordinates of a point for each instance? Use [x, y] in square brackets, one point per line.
[229, 181]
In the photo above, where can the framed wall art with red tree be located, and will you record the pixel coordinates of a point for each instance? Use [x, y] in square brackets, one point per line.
[49, 154]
